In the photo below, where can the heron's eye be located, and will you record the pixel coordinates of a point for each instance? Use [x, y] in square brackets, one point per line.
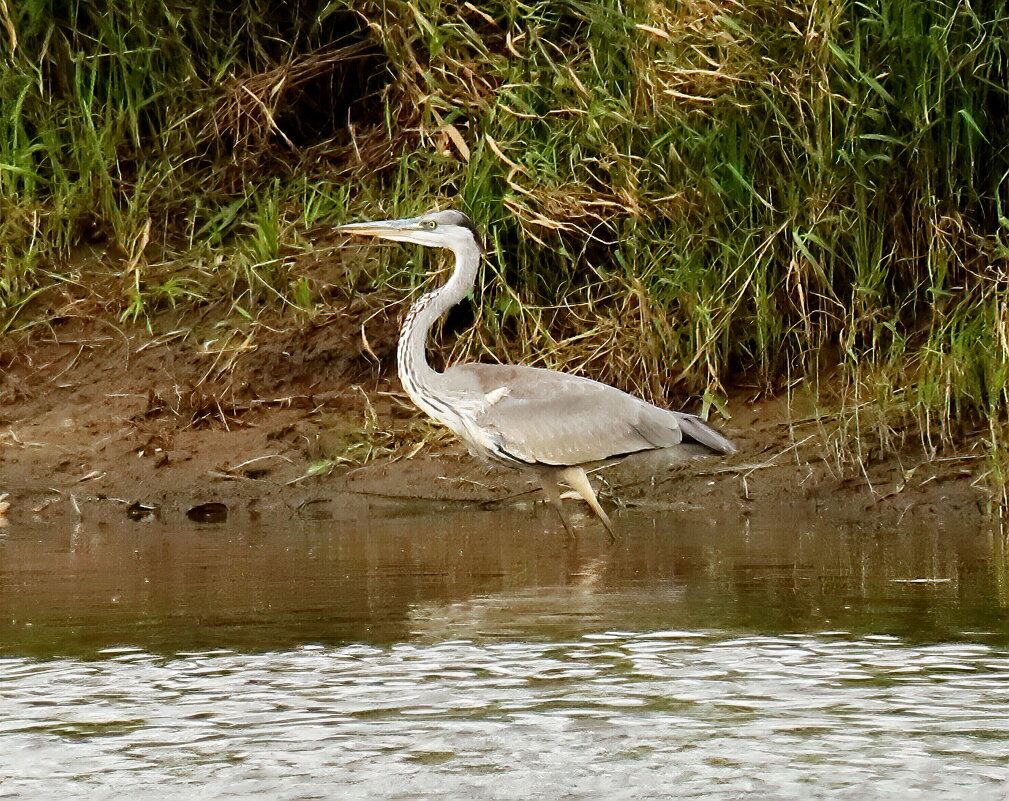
[429, 225]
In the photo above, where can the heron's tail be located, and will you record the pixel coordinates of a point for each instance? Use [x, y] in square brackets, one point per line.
[695, 428]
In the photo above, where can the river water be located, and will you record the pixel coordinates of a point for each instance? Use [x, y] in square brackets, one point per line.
[463, 654]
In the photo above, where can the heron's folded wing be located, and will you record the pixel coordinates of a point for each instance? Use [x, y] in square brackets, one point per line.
[545, 417]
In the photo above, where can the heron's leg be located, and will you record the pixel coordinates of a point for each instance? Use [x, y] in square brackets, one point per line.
[579, 482]
[548, 481]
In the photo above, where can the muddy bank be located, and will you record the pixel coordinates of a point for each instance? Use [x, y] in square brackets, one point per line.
[99, 420]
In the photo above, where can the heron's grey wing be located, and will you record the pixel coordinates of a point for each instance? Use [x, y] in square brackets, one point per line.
[546, 417]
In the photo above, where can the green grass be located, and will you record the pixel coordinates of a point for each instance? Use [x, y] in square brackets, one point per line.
[679, 196]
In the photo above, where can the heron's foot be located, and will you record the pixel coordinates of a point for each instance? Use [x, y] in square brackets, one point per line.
[553, 494]
[569, 532]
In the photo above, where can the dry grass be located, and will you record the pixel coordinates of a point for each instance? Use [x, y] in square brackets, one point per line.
[244, 115]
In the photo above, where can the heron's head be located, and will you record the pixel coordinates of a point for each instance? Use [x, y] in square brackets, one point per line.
[436, 229]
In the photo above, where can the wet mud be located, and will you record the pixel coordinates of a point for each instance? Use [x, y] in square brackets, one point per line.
[98, 421]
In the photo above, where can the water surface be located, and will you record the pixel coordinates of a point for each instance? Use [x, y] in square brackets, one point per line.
[467, 654]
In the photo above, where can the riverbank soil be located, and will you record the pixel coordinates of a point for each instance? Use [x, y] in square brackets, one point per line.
[99, 419]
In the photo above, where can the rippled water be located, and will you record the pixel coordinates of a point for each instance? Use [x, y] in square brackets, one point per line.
[471, 655]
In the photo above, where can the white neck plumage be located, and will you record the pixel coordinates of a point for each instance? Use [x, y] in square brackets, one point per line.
[416, 374]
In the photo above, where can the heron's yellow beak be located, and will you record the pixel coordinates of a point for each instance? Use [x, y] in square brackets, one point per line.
[382, 228]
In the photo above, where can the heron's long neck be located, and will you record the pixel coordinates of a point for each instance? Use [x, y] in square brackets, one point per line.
[414, 371]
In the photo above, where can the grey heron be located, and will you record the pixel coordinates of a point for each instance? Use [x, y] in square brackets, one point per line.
[530, 418]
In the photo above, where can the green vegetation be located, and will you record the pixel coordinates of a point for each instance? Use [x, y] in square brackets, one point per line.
[678, 195]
